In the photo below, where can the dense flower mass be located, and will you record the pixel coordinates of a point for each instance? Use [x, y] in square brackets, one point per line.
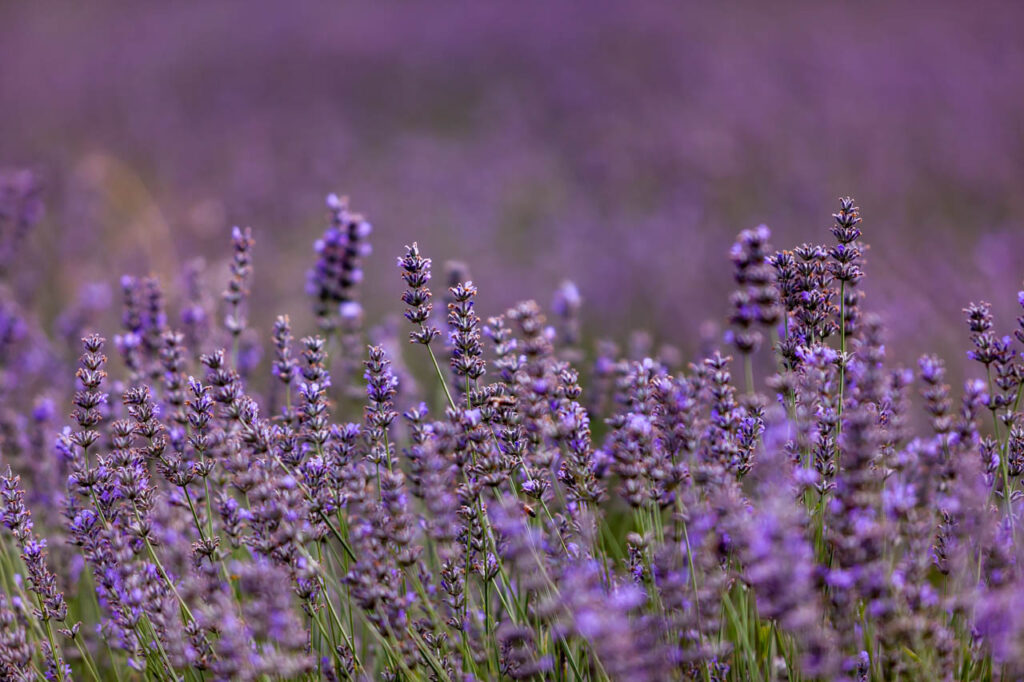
[530, 509]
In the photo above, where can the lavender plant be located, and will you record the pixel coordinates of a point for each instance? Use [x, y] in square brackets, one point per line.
[203, 516]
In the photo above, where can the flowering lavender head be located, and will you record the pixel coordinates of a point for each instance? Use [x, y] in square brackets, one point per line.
[16, 517]
[333, 282]
[845, 229]
[89, 399]
[381, 386]
[238, 285]
[416, 273]
[845, 265]
[284, 367]
[756, 301]
[42, 581]
[467, 360]
[979, 317]
[566, 305]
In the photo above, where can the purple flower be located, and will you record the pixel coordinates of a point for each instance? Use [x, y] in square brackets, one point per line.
[334, 280]
[416, 273]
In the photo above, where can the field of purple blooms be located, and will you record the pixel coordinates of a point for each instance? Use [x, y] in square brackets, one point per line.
[457, 498]
[540, 413]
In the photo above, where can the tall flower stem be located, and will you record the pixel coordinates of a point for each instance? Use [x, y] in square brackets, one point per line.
[440, 376]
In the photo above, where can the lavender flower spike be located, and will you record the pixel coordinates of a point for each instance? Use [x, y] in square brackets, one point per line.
[416, 273]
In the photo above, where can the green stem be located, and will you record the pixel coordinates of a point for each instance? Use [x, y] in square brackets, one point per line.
[57, 658]
[748, 371]
[87, 659]
[163, 573]
[440, 376]
[696, 593]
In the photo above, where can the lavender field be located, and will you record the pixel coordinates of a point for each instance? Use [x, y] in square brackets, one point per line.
[511, 342]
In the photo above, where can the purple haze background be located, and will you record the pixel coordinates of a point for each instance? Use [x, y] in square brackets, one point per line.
[622, 146]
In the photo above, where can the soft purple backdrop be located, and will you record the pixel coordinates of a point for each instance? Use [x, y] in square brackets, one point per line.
[620, 145]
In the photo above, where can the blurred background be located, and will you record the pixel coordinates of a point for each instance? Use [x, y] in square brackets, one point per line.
[619, 145]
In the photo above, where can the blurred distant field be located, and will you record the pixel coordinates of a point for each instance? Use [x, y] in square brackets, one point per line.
[618, 145]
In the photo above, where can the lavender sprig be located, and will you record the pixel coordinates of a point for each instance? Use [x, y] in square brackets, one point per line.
[416, 273]
[237, 292]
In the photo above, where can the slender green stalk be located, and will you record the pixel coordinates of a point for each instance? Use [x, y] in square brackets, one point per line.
[54, 651]
[440, 376]
[87, 659]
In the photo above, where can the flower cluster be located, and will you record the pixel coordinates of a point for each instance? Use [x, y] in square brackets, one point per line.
[334, 280]
[756, 301]
[416, 273]
[533, 518]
